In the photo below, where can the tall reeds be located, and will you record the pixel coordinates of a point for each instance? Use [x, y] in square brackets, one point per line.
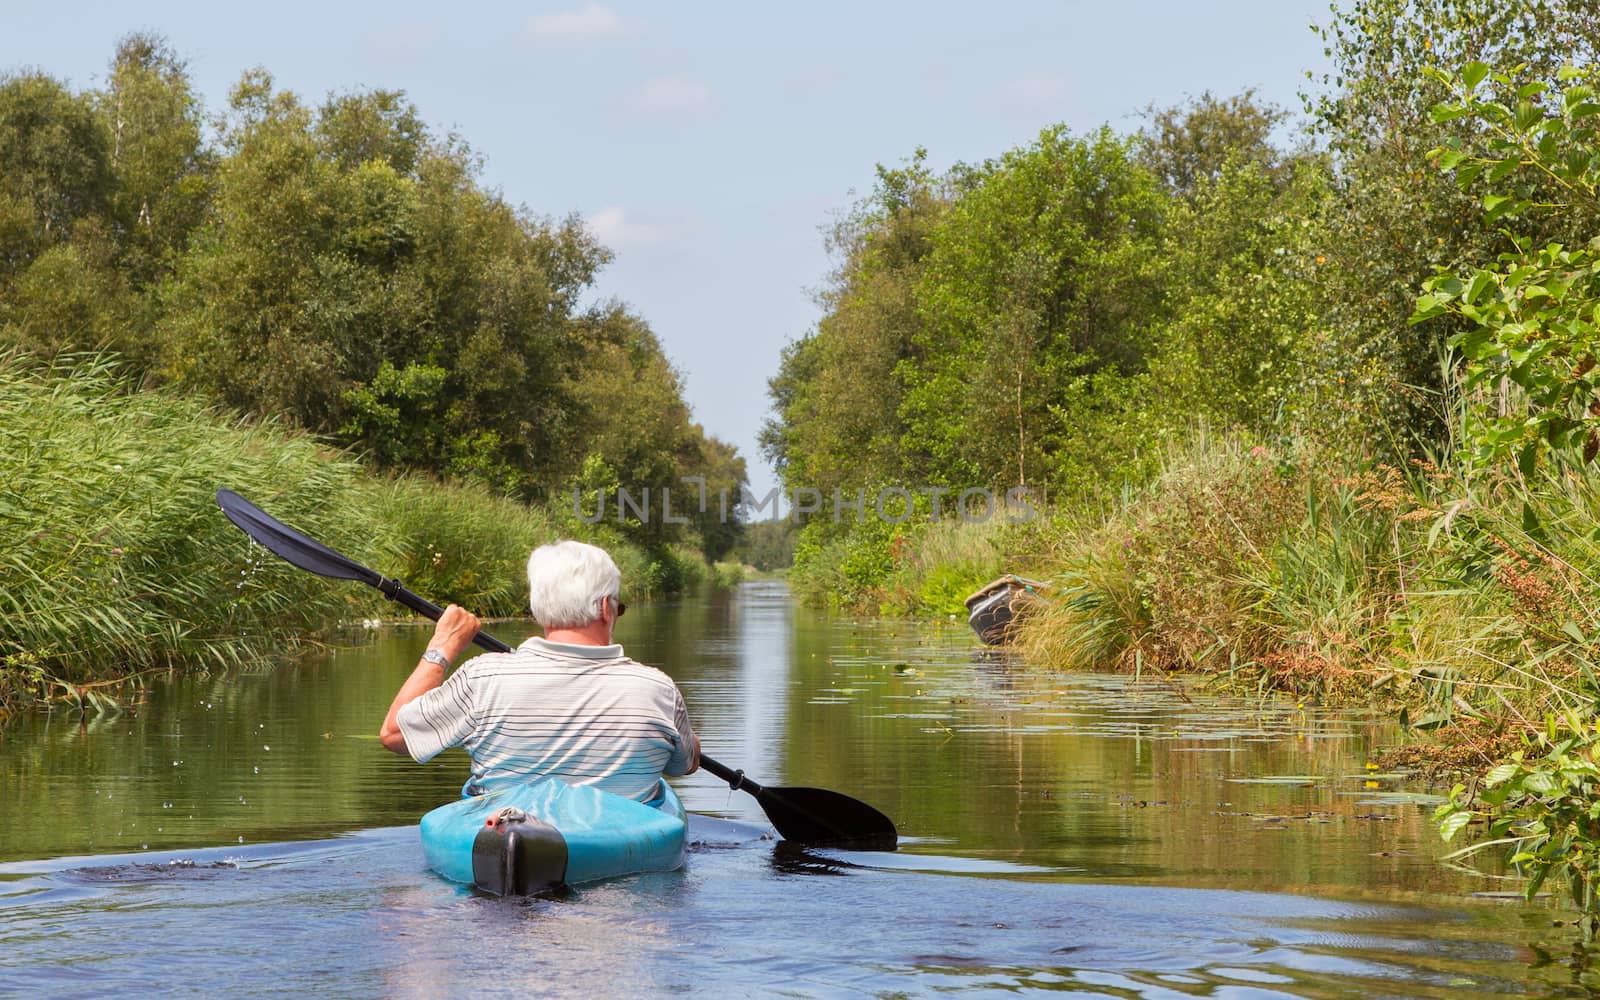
[1468, 598]
[115, 560]
[115, 556]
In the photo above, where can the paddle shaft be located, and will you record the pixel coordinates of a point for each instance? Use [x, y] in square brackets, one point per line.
[802, 814]
[814, 815]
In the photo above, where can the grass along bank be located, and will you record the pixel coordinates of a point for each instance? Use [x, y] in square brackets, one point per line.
[1463, 600]
[118, 563]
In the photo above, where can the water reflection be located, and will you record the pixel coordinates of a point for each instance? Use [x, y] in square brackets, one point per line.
[762, 623]
[356, 916]
[1097, 834]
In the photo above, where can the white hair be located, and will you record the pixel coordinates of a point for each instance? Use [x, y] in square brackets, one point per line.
[567, 581]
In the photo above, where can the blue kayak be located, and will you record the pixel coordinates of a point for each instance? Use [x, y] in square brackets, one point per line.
[546, 833]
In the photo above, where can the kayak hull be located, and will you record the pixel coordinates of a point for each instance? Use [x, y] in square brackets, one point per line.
[546, 833]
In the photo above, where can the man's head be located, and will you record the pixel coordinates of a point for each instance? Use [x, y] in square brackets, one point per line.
[567, 583]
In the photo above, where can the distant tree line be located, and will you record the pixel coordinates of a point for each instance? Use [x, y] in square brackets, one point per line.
[339, 267]
[1055, 316]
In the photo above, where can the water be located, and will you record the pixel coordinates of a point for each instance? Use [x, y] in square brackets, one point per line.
[245, 834]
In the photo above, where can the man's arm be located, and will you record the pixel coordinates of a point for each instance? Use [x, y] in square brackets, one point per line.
[451, 636]
[689, 760]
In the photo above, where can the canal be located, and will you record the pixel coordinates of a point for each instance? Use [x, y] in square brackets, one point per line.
[244, 833]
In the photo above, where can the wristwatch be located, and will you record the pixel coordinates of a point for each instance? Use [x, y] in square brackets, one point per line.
[434, 656]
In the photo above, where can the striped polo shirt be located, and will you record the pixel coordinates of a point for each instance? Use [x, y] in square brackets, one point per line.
[585, 714]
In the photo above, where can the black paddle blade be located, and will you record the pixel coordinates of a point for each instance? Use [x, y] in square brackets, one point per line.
[826, 818]
[289, 544]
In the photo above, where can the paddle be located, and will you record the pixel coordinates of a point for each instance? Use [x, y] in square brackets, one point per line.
[806, 815]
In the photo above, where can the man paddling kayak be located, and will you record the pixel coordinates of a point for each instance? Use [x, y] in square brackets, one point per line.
[569, 704]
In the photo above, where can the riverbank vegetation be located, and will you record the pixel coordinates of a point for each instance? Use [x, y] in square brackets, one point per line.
[124, 564]
[1318, 415]
[321, 306]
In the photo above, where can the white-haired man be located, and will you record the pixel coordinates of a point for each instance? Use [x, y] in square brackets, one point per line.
[569, 704]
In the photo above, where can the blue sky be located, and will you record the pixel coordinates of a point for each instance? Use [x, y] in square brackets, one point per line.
[708, 144]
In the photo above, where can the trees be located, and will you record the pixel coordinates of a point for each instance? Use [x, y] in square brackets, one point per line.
[977, 324]
[339, 267]
[54, 152]
[98, 194]
[1241, 263]
[1039, 281]
[1398, 220]
[638, 436]
[157, 156]
[60, 288]
[353, 277]
[1531, 332]
[838, 391]
[1188, 143]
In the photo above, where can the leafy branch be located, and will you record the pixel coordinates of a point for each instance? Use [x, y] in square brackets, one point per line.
[1530, 342]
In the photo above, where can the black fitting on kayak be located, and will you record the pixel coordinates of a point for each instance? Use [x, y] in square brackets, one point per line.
[517, 854]
[390, 587]
[737, 779]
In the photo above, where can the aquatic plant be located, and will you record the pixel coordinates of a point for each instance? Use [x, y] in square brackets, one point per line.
[1544, 804]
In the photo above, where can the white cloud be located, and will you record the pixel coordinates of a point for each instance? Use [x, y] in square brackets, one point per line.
[671, 95]
[616, 229]
[1036, 93]
[593, 21]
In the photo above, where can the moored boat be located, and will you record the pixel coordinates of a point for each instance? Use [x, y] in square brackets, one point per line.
[546, 833]
[993, 608]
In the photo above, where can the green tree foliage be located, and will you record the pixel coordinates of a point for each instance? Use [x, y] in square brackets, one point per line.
[157, 156]
[98, 194]
[768, 545]
[638, 436]
[354, 277]
[55, 160]
[987, 327]
[1186, 144]
[71, 297]
[1044, 317]
[1241, 265]
[1399, 220]
[1531, 334]
[838, 391]
[341, 268]
[59, 286]
[718, 517]
[1039, 280]
[1545, 804]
